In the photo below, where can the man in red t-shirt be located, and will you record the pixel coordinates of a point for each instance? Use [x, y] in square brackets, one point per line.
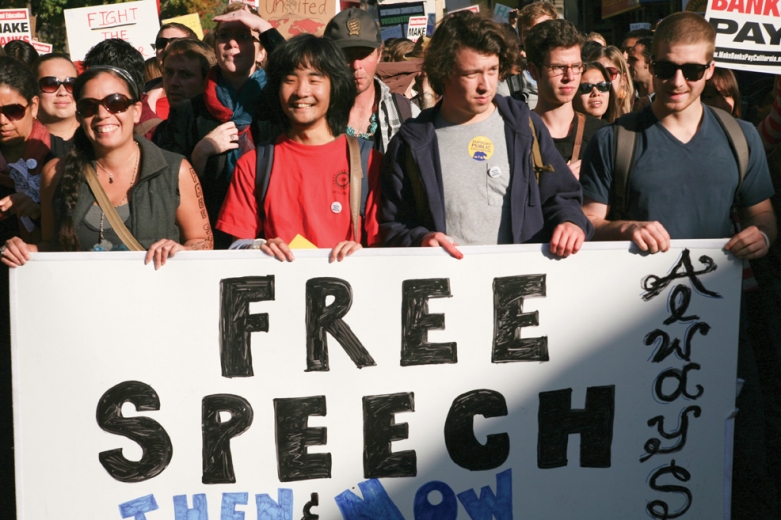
[308, 190]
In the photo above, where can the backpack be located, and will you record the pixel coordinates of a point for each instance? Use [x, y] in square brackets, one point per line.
[265, 161]
[625, 142]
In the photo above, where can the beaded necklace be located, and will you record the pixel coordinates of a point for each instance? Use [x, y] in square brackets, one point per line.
[366, 135]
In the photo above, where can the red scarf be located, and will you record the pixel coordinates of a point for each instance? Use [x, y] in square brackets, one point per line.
[37, 146]
[222, 113]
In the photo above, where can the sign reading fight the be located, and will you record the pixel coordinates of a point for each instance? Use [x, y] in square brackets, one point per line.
[748, 34]
[14, 25]
[134, 22]
[398, 384]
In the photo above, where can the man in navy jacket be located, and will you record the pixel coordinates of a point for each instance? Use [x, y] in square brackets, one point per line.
[463, 172]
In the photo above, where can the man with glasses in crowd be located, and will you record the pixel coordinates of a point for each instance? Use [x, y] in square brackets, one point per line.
[461, 172]
[683, 183]
[553, 50]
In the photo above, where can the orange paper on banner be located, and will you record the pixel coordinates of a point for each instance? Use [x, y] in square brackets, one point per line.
[294, 17]
[300, 242]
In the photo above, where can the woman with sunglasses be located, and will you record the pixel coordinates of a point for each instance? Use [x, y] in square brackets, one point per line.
[155, 193]
[595, 95]
[214, 129]
[25, 147]
[613, 60]
[56, 75]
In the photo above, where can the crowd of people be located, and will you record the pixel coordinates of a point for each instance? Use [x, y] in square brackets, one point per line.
[483, 133]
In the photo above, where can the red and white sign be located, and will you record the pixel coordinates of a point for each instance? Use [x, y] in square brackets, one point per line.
[473, 8]
[14, 25]
[416, 27]
[41, 47]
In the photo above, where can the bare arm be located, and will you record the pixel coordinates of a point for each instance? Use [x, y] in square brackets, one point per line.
[221, 139]
[649, 236]
[750, 242]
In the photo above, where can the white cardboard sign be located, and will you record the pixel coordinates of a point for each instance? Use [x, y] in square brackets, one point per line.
[748, 34]
[509, 383]
[42, 47]
[417, 27]
[14, 25]
[135, 22]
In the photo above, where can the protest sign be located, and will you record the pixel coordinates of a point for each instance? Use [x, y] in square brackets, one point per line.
[293, 17]
[417, 27]
[14, 25]
[748, 34]
[473, 8]
[399, 14]
[134, 22]
[41, 47]
[396, 384]
[193, 21]
[251, 3]
[501, 13]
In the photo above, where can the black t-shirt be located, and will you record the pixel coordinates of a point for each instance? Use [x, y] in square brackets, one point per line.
[565, 144]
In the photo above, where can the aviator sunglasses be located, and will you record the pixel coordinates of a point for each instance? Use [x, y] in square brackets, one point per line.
[691, 71]
[115, 104]
[13, 112]
[50, 84]
[586, 88]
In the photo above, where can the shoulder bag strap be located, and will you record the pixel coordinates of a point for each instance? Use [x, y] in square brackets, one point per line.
[625, 140]
[581, 122]
[119, 227]
[356, 176]
[739, 144]
[539, 166]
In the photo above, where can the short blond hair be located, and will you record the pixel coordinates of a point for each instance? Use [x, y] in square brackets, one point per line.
[684, 28]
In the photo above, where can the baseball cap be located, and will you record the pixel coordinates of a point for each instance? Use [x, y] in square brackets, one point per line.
[354, 27]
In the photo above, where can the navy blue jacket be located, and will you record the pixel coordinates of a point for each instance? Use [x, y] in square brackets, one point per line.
[536, 210]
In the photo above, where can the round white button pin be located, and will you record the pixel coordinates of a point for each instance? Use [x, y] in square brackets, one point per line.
[336, 207]
[494, 171]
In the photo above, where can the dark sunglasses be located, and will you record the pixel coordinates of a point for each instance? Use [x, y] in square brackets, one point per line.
[50, 84]
[161, 43]
[613, 72]
[691, 71]
[13, 112]
[115, 104]
[586, 88]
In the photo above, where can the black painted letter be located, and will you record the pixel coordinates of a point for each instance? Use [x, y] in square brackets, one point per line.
[146, 432]
[557, 420]
[509, 318]
[217, 435]
[293, 436]
[462, 445]
[380, 430]
[322, 318]
[237, 324]
[416, 322]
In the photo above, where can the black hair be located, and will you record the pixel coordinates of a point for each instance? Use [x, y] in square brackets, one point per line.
[647, 51]
[548, 35]
[22, 51]
[324, 56]
[16, 75]
[49, 57]
[117, 53]
[639, 33]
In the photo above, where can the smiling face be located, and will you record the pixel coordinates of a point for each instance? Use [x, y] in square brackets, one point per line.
[594, 102]
[237, 49]
[16, 132]
[305, 95]
[59, 105]
[105, 130]
[469, 93]
[677, 94]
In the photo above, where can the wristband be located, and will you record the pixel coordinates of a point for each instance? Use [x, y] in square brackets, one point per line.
[767, 240]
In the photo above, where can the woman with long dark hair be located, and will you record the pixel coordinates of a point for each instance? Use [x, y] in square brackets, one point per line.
[156, 194]
[596, 96]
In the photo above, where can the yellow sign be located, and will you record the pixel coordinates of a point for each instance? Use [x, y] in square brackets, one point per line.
[193, 21]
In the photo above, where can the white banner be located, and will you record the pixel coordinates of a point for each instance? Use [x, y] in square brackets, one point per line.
[14, 25]
[748, 34]
[416, 27]
[396, 384]
[135, 22]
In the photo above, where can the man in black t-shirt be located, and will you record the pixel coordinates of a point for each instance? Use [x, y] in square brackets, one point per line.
[553, 53]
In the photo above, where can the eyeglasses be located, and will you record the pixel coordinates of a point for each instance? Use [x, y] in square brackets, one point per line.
[560, 70]
[668, 69]
[50, 84]
[602, 86]
[115, 104]
[240, 37]
[613, 72]
[13, 112]
[161, 43]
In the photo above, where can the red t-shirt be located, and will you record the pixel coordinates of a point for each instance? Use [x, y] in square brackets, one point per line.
[308, 195]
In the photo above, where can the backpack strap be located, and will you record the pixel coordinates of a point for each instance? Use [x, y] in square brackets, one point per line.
[356, 180]
[146, 126]
[624, 143]
[739, 145]
[581, 122]
[403, 106]
[539, 166]
[263, 164]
